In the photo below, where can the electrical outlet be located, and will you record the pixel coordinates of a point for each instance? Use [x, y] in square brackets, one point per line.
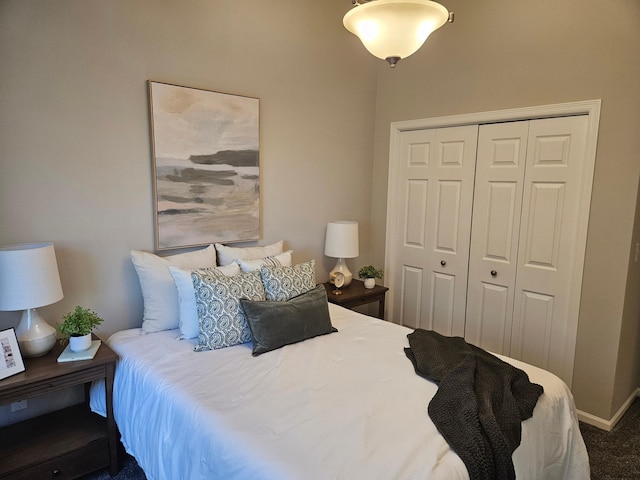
[21, 405]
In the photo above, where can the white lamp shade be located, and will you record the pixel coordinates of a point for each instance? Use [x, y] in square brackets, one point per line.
[395, 28]
[342, 239]
[29, 276]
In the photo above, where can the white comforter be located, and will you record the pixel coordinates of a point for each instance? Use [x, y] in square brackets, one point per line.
[341, 406]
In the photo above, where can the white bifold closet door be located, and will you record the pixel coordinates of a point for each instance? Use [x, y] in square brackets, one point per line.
[486, 231]
[527, 192]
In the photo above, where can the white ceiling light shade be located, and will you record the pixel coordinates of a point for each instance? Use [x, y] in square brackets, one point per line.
[394, 29]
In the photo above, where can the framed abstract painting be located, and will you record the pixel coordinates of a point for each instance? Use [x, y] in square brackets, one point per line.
[206, 166]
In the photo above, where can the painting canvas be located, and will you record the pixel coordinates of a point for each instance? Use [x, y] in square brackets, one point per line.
[206, 166]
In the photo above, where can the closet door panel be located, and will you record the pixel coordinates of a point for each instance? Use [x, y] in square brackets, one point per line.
[536, 312]
[502, 204]
[443, 297]
[447, 223]
[495, 321]
[436, 173]
[449, 228]
[542, 233]
[414, 160]
[415, 213]
[411, 302]
[552, 192]
[497, 207]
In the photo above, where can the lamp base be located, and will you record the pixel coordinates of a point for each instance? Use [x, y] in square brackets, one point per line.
[341, 266]
[35, 336]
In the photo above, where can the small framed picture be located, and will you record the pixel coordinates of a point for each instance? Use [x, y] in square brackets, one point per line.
[10, 357]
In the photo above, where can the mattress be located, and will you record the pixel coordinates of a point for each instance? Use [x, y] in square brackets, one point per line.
[342, 406]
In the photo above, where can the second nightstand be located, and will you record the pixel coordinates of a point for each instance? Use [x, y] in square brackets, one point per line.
[355, 295]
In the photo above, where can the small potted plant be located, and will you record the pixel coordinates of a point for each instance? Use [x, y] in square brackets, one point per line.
[369, 273]
[77, 327]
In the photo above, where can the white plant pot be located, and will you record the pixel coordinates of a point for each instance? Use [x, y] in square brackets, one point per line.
[78, 344]
[369, 282]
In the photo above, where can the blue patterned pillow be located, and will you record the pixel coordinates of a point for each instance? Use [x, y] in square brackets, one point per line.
[283, 283]
[221, 321]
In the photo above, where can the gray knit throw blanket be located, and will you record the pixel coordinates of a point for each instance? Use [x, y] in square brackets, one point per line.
[480, 403]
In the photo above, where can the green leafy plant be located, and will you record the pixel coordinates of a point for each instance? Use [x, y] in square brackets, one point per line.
[369, 271]
[79, 322]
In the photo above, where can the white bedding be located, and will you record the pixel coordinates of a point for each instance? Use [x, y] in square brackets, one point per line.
[342, 406]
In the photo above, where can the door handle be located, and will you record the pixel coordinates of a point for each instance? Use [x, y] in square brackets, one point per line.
[494, 273]
[443, 263]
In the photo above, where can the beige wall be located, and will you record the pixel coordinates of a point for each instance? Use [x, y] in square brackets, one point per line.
[504, 54]
[628, 366]
[75, 159]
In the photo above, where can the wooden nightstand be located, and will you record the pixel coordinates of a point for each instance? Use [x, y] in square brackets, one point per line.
[67, 443]
[355, 295]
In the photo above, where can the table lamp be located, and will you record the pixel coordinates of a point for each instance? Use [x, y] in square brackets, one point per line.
[29, 279]
[341, 242]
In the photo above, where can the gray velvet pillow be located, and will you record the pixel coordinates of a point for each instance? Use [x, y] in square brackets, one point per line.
[274, 324]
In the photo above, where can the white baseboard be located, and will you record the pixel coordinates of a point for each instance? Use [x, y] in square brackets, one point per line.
[608, 424]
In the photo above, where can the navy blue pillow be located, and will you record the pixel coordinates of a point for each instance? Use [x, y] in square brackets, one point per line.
[274, 324]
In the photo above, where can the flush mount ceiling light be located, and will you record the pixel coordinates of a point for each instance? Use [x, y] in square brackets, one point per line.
[394, 29]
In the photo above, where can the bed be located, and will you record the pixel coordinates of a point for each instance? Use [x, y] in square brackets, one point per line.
[347, 405]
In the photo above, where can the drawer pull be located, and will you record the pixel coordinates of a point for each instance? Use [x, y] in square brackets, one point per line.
[56, 472]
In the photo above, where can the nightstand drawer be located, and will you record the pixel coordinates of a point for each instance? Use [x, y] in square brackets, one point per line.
[64, 441]
[356, 294]
[52, 384]
[356, 302]
[71, 465]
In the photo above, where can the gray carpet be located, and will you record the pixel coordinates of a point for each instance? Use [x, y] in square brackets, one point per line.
[612, 455]
[130, 471]
[615, 454]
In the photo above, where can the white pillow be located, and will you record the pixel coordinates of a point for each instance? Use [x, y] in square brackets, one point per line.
[188, 311]
[281, 260]
[159, 292]
[226, 255]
